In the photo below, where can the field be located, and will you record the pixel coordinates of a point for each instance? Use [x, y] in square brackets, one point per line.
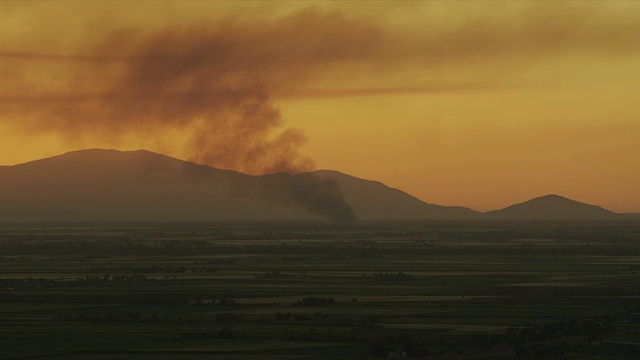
[289, 291]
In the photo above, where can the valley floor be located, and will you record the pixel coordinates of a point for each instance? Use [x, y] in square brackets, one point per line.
[447, 291]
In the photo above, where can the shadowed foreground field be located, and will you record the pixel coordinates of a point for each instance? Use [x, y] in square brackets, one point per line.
[289, 291]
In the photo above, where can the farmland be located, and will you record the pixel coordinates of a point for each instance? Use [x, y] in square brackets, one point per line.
[285, 291]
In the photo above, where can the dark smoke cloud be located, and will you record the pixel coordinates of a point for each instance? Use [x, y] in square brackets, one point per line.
[317, 195]
[213, 85]
[321, 196]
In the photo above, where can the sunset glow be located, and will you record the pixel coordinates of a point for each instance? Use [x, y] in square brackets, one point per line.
[477, 104]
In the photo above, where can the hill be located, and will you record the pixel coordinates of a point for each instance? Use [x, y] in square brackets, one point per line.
[108, 185]
[552, 207]
[373, 200]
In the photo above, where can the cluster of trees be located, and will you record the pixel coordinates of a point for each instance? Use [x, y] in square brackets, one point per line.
[542, 340]
[592, 330]
[314, 301]
[115, 280]
[393, 277]
[288, 317]
[221, 302]
[115, 318]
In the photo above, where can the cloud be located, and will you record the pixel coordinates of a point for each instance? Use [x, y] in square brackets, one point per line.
[433, 87]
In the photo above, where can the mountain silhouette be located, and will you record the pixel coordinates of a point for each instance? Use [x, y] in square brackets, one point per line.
[552, 207]
[376, 201]
[114, 186]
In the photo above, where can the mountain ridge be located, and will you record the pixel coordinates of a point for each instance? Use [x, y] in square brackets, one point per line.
[113, 185]
[110, 185]
[552, 207]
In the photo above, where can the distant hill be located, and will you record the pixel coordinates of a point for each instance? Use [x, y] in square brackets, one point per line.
[115, 186]
[552, 207]
[108, 185]
[373, 200]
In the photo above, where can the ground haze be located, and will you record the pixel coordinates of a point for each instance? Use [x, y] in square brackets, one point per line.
[280, 291]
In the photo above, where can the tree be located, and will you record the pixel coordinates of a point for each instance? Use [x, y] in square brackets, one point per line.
[226, 333]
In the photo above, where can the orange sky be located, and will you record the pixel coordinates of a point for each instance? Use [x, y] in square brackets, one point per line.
[479, 104]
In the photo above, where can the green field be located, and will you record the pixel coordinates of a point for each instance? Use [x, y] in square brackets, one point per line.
[289, 291]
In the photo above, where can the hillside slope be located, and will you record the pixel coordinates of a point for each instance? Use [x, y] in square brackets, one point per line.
[109, 185]
[552, 207]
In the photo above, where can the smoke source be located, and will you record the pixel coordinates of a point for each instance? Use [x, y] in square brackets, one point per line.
[208, 90]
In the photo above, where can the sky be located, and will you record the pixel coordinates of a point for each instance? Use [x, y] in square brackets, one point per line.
[476, 104]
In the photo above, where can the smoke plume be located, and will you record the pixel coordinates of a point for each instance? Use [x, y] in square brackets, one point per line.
[209, 89]
[315, 194]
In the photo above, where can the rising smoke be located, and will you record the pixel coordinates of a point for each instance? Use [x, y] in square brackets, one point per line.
[207, 89]
[311, 192]
[210, 89]
[207, 92]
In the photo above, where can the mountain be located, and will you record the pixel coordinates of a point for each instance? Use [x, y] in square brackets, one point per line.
[375, 201]
[108, 185]
[552, 207]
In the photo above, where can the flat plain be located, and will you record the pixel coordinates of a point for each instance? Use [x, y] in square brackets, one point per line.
[312, 290]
